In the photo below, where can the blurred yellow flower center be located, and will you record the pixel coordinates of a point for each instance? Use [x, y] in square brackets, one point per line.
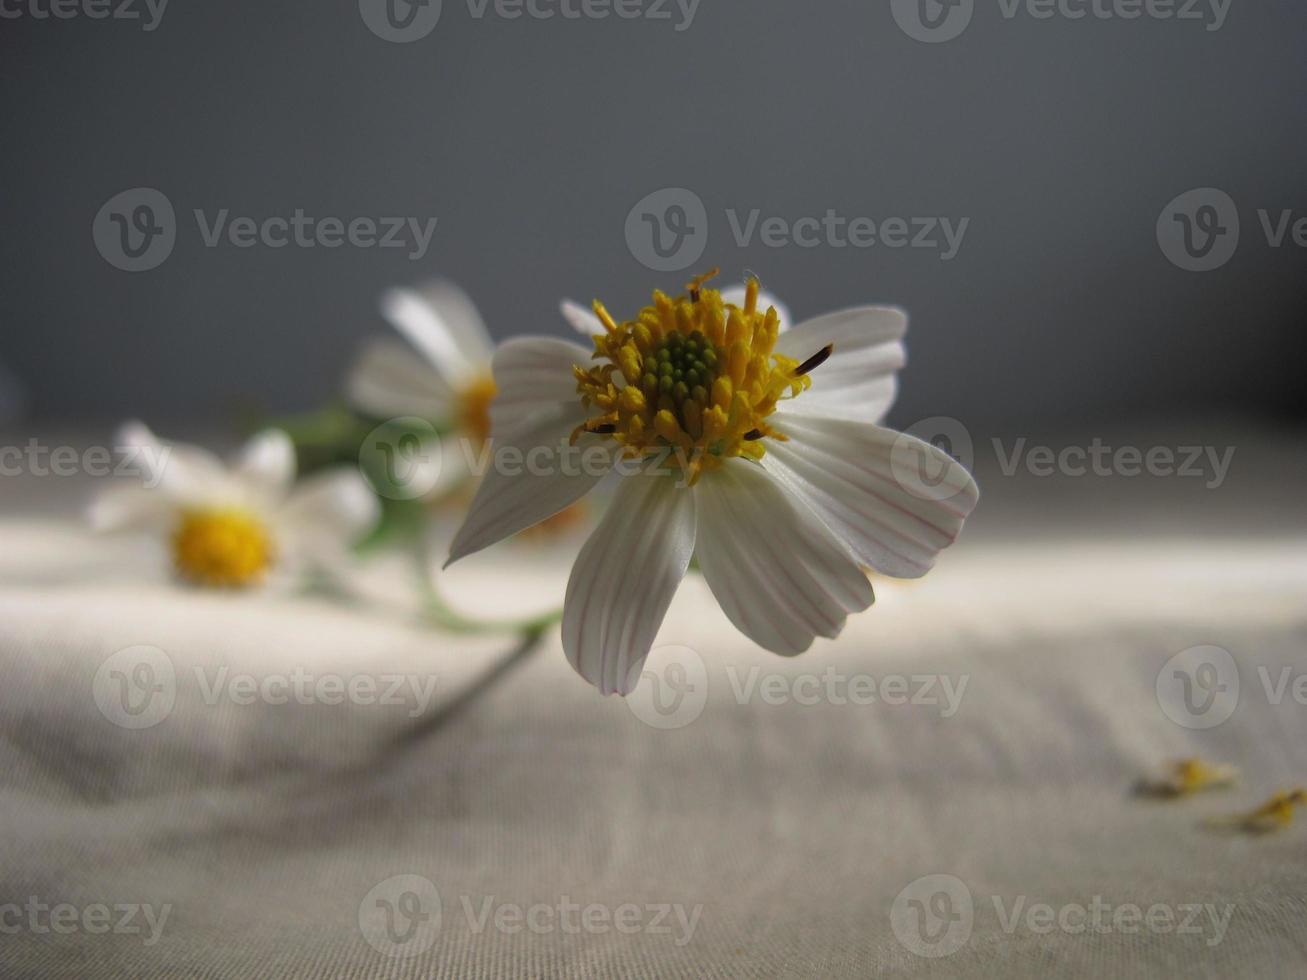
[474, 407]
[221, 548]
[692, 374]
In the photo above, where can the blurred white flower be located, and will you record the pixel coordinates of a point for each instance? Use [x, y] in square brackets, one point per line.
[441, 375]
[758, 454]
[241, 525]
[448, 382]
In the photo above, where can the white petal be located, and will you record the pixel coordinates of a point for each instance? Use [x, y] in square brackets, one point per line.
[583, 320]
[328, 512]
[858, 381]
[532, 474]
[184, 474]
[390, 379]
[266, 464]
[735, 294]
[852, 476]
[129, 506]
[778, 574]
[533, 377]
[624, 579]
[441, 321]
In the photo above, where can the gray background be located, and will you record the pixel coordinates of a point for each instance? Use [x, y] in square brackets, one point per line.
[531, 141]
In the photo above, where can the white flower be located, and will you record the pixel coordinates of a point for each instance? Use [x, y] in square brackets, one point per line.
[243, 525]
[779, 480]
[450, 382]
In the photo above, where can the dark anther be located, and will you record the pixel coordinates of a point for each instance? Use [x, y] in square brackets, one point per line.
[604, 429]
[753, 435]
[694, 295]
[814, 362]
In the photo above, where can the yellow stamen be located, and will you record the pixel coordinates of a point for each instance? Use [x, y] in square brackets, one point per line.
[474, 407]
[1275, 814]
[222, 548]
[690, 373]
[1189, 776]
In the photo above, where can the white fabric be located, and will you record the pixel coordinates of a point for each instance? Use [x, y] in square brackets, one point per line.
[794, 825]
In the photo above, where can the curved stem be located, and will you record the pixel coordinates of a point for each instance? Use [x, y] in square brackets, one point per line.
[449, 618]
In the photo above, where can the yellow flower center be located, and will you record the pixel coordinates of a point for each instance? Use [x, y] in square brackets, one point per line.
[474, 407]
[692, 374]
[221, 548]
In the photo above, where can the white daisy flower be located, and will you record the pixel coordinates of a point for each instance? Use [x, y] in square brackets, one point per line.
[779, 479]
[244, 525]
[450, 382]
[441, 375]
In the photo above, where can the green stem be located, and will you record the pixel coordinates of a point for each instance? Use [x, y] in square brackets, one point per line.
[448, 618]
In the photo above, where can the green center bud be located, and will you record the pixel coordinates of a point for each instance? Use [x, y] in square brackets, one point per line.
[684, 367]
